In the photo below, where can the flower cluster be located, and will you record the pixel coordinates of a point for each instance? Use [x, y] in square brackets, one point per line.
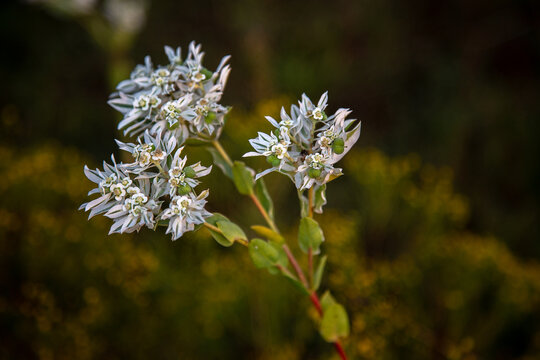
[156, 188]
[306, 143]
[181, 97]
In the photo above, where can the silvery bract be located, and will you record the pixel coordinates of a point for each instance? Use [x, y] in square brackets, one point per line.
[181, 98]
[184, 212]
[134, 195]
[306, 143]
[164, 106]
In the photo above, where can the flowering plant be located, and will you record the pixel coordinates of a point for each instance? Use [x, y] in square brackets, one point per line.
[168, 107]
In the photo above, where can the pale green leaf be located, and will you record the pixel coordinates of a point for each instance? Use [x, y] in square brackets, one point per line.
[319, 273]
[335, 323]
[243, 178]
[264, 197]
[310, 235]
[268, 233]
[231, 231]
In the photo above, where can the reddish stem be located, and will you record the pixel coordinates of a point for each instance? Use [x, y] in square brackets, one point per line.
[295, 265]
[340, 350]
[337, 344]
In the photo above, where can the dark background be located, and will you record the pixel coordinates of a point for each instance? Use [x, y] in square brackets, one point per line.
[456, 84]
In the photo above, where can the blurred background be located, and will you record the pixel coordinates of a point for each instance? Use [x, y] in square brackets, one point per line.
[433, 235]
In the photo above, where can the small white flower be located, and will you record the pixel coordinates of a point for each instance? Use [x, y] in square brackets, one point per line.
[105, 184]
[317, 114]
[184, 213]
[126, 182]
[158, 155]
[279, 150]
[198, 76]
[144, 158]
[142, 102]
[118, 191]
[128, 204]
[132, 190]
[139, 198]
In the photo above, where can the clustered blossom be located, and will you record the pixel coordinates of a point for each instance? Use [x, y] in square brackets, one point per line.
[306, 143]
[181, 98]
[156, 188]
[163, 106]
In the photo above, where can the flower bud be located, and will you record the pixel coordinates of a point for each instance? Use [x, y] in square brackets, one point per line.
[338, 146]
[189, 172]
[207, 73]
[210, 117]
[273, 160]
[314, 173]
[184, 189]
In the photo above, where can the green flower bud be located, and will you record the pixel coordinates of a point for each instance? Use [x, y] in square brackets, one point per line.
[273, 160]
[210, 117]
[314, 173]
[184, 189]
[189, 172]
[207, 73]
[338, 146]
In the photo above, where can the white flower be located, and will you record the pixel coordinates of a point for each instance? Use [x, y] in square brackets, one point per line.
[118, 191]
[107, 187]
[279, 150]
[184, 213]
[317, 114]
[158, 155]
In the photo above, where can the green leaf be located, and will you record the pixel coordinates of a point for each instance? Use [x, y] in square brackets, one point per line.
[304, 204]
[335, 323]
[263, 254]
[297, 283]
[264, 197]
[221, 240]
[268, 233]
[326, 300]
[220, 162]
[310, 235]
[319, 273]
[320, 198]
[231, 231]
[243, 178]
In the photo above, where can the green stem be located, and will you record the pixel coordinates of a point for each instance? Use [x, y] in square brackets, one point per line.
[254, 198]
[222, 152]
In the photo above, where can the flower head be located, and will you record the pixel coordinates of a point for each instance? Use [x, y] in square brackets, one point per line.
[181, 97]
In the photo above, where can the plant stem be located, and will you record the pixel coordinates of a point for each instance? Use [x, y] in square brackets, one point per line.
[310, 202]
[222, 152]
[254, 198]
[310, 266]
[285, 271]
[295, 265]
[263, 212]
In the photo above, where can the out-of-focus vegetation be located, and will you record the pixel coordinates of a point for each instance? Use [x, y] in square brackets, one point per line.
[416, 284]
[432, 261]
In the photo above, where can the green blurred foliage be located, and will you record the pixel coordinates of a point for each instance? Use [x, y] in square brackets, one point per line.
[424, 272]
[416, 285]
